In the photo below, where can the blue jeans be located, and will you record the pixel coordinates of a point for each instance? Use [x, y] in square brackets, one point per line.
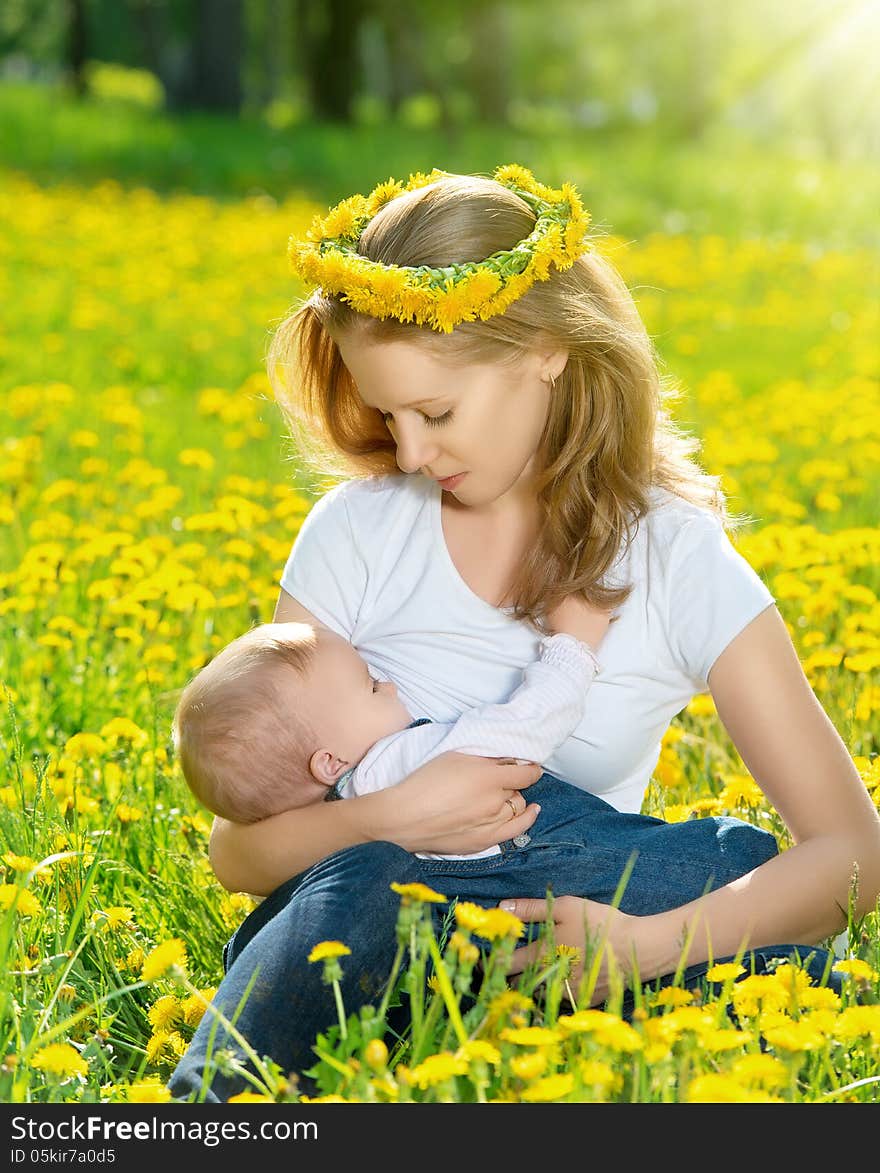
[579, 845]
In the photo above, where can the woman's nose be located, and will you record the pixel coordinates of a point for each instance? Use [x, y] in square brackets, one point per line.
[414, 450]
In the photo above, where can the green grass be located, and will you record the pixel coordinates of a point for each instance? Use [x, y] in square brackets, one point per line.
[134, 430]
[635, 183]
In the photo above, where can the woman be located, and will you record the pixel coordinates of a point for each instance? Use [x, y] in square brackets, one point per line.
[513, 420]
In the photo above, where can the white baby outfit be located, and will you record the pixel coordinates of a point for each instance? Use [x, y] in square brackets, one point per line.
[539, 716]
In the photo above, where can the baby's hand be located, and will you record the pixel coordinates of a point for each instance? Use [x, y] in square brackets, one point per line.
[574, 616]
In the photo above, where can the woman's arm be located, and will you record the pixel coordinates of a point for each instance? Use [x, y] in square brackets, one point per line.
[793, 751]
[455, 804]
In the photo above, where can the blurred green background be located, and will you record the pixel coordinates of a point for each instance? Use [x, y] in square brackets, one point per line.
[670, 115]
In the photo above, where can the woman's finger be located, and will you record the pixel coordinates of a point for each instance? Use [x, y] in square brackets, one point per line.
[515, 803]
[518, 774]
[526, 909]
[511, 827]
[525, 956]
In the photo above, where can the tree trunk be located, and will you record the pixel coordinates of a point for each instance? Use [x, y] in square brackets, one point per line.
[490, 63]
[327, 35]
[271, 52]
[403, 40]
[77, 45]
[217, 56]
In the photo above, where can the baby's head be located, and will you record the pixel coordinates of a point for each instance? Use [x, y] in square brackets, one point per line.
[277, 717]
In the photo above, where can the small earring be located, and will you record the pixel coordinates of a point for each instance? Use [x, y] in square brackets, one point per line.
[552, 384]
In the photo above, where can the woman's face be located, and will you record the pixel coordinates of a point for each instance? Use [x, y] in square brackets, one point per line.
[475, 429]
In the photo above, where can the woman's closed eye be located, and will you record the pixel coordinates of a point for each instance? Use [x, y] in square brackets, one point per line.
[432, 421]
[437, 421]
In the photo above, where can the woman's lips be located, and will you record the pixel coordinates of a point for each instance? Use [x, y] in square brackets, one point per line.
[449, 483]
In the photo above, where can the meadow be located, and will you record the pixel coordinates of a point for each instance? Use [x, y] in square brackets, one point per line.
[148, 501]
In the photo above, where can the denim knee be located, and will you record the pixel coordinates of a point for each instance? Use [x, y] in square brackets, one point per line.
[744, 846]
[363, 872]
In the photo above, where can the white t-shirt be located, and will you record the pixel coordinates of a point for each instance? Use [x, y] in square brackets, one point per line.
[542, 712]
[371, 562]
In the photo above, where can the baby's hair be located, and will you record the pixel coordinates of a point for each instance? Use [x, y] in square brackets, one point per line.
[241, 748]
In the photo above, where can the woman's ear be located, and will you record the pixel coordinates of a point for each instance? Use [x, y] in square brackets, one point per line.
[326, 768]
[552, 362]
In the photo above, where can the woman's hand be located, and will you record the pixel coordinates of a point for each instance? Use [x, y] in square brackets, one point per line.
[595, 930]
[459, 803]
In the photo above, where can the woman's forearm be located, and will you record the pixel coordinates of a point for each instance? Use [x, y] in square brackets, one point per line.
[455, 803]
[800, 896]
[257, 858]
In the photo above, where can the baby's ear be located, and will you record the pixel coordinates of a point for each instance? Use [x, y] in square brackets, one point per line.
[326, 768]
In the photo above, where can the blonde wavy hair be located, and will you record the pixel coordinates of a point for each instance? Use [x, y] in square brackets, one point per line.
[609, 435]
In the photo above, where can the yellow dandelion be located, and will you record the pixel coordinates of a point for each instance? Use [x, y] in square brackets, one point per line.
[596, 1074]
[702, 705]
[117, 916]
[19, 863]
[609, 1029]
[165, 1045]
[722, 1089]
[376, 1054]
[717, 1040]
[795, 1036]
[725, 971]
[855, 1021]
[325, 950]
[531, 1036]
[148, 1091]
[437, 1069]
[707, 806]
[24, 903]
[756, 993]
[676, 812]
[123, 729]
[128, 814]
[251, 1098]
[508, 1002]
[164, 1012]
[819, 998]
[464, 949]
[479, 1051]
[135, 959]
[854, 968]
[763, 1070]
[194, 1006]
[84, 745]
[529, 1066]
[418, 893]
[60, 1059]
[196, 458]
[672, 996]
[741, 791]
[492, 923]
[693, 1018]
[551, 1088]
[168, 955]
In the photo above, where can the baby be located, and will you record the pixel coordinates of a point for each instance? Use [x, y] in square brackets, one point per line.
[289, 714]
